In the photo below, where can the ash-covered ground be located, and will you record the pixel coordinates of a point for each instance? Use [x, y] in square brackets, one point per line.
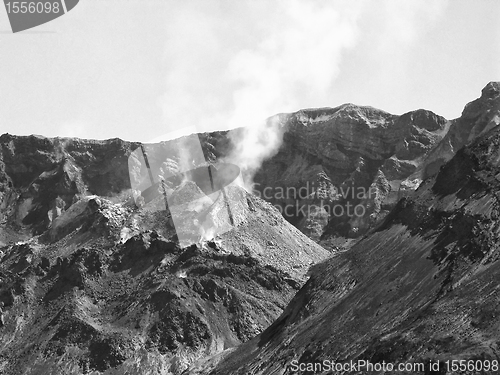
[95, 281]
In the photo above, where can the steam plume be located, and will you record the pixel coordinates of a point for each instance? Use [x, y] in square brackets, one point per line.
[236, 64]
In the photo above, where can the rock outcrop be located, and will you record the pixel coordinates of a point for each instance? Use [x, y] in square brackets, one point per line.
[94, 279]
[334, 161]
[420, 289]
[338, 171]
[91, 282]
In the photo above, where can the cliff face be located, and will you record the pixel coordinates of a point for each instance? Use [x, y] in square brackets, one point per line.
[340, 170]
[42, 177]
[91, 282]
[478, 117]
[346, 159]
[421, 288]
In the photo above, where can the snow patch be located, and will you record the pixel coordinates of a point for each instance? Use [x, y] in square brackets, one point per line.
[306, 120]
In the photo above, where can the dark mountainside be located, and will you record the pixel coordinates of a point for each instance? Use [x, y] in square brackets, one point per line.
[92, 283]
[349, 149]
[422, 286]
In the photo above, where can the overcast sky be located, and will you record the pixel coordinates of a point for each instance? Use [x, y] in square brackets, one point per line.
[142, 69]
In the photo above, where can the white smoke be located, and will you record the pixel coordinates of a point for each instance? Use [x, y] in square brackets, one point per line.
[235, 65]
[252, 145]
[303, 55]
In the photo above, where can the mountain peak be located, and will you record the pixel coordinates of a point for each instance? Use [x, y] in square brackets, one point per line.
[102, 281]
[491, 90]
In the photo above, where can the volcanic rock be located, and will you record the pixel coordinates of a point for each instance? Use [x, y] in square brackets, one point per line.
[421, 288]
[103, 285]
[91, 282]
[345, 150]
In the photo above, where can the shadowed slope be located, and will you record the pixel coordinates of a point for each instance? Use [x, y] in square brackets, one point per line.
[423, 286]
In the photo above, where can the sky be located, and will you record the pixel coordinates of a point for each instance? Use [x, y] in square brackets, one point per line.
[148, 70]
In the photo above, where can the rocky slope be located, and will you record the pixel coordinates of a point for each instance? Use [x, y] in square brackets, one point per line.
[78, 299]
[91, 282]
[340, 170]
[95, 280]
[337, 172]
[422, 288]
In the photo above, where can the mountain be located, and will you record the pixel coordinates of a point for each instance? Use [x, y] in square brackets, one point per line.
[421, 288]
[338, 160]
[337, 172]
[91, 282]
[96, 275]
